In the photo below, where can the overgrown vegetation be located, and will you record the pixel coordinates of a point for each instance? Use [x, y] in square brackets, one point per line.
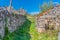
[6, 28]
[46, 6]
[28, 32]
[21, 34]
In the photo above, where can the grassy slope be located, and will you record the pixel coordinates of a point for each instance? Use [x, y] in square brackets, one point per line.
[28, 32]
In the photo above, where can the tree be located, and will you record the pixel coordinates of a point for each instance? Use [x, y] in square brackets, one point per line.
[50, 4]
[44, 6]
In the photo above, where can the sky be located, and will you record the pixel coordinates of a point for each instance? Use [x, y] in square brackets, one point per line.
[31, 6]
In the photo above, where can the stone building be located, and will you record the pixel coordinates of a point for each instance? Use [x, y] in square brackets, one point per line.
[48, 18]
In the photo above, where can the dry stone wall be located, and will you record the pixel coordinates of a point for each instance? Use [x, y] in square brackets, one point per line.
[13, 21]
[51, 18]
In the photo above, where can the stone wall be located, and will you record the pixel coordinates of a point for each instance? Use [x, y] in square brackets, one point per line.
[13, 21]
[49, 18]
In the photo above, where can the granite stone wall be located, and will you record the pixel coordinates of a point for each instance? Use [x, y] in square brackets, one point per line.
[12, 20]
[51, 18]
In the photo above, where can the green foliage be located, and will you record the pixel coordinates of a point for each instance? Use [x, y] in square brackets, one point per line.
[6, 28]
[50, 4]
[48, 36]
[22, 33]
[13, 14]
[6, 31]
[0, 37]
[45, 6]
